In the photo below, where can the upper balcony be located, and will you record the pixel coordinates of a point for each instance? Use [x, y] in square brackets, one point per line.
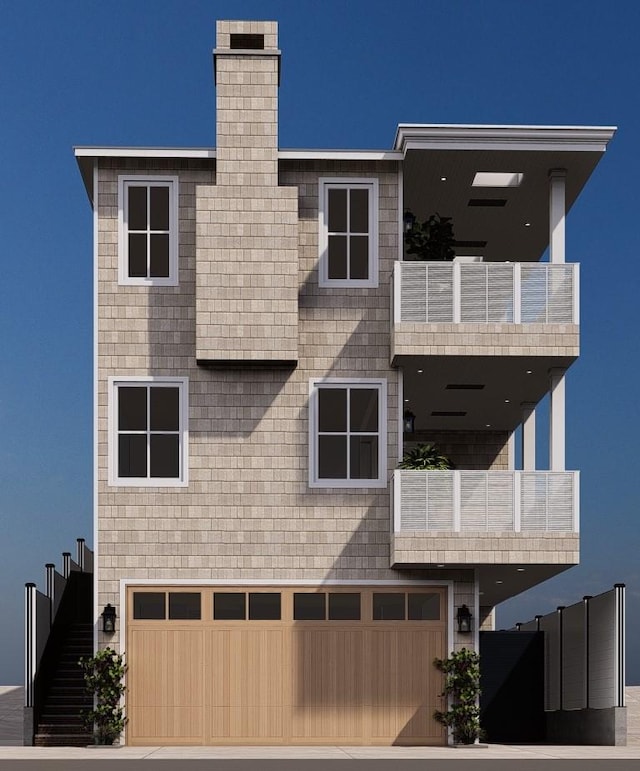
[485, 309]
[506, 192]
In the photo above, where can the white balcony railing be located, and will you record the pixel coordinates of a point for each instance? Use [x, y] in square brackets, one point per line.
[486, 501]
[486, 293]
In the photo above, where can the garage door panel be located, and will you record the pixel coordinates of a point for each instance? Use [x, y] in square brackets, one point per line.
[255, 668]
[166, 725]
[165, 687]
[402, 685]
[327, 667]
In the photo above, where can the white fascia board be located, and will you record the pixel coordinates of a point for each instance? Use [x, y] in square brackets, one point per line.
[207, 153]
[144, 152]
[472, 137]
[340, 155]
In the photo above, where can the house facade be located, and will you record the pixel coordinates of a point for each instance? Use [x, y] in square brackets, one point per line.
[262, 339]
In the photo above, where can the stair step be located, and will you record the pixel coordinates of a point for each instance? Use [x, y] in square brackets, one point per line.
[63, 740]
[66, 703]
[68, 727]
[70, 717]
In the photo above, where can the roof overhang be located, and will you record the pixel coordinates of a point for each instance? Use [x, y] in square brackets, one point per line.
[594, 139]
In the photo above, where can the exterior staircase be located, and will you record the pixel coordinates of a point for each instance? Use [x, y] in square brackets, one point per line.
[65, 698]
[61, 634]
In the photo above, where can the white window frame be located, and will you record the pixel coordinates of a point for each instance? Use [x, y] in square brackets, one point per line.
[340, 383]
[182, 384]
[139, 180]
[347, 183]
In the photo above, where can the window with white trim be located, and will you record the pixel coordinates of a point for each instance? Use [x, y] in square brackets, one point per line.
[148, 242]
[148, 432]
[348, 237]
[348, 433]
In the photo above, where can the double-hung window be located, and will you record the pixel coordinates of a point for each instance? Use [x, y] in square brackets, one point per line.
[148, 432]
[148, 230]
[348, 236]
[348, 434]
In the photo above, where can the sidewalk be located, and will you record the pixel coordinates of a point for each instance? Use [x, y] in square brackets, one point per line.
[11, 745]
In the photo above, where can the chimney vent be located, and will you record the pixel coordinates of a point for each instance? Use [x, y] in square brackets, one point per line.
[246, 42]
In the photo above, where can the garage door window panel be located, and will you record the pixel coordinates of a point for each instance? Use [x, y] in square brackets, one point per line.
[184, 605]
[344, 606]
[389, 606]
[229, 606]
[264, 606]
[309, 607]
[424, 607]
[149, 605]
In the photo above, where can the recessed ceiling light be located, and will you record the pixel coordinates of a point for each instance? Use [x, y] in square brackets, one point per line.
[520, 570]
[497, 179]
[439, 566]
[499, 582]
[406, 400]
[420, 371]
[506, 401]
[480, 592]
[487, 425]
[443, 179]
[529, 371]
[527, 224]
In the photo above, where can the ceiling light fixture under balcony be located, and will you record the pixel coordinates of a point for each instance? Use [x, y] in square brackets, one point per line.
[497, 179]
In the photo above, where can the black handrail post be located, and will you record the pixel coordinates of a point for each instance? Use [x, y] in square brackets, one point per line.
[80, 554]
[50, 588]
[66, 563]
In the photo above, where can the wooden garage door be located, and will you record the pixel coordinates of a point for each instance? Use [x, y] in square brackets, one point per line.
[284, 665]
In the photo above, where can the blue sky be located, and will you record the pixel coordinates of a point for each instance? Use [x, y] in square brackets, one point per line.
[122, 73]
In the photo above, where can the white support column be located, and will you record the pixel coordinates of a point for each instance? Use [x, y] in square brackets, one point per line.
[557, 420]
[557, 211]
[528, 436]
[511, 451]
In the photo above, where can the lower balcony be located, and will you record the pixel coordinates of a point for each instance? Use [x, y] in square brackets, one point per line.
[485, 518]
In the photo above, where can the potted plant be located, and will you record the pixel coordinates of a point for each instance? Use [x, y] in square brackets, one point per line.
[103, 674]
[425, 457]
[430, 240]
[462, 688]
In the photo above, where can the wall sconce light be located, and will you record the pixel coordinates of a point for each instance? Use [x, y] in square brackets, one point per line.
[409, 219]
[109, 619]
[463, 617]
[408, 422]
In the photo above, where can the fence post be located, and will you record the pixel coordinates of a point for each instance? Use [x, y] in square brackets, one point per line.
[587, 653]
[560, 656]
[80, 554]
[66, 564]
[30, 645]
[620, 651]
